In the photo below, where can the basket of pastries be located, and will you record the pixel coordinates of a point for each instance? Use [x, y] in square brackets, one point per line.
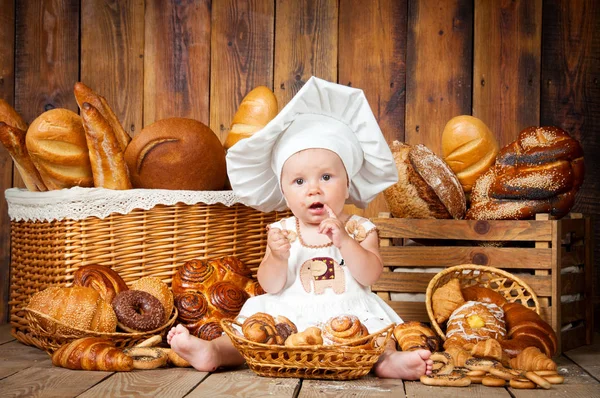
[340, 349]
[492, 331]
[99, 304]
[141, 205]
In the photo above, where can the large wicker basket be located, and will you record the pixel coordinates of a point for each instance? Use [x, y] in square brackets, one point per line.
[309, 362]
[505, 283]
[142, 242]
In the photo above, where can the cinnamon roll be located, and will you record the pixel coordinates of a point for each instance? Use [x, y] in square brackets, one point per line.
[227, 298]
[344, 329]
[193, 275]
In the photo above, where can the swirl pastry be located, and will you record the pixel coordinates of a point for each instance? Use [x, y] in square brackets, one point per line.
[102, 279]
[344, 330]
[227, 298]
[193, 275]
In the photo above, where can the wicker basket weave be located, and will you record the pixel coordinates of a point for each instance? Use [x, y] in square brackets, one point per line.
[330, 362]
[505, 283]
[49, 334]
[152, 242]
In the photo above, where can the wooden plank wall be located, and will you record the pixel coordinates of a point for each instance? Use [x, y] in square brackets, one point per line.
[420, 62]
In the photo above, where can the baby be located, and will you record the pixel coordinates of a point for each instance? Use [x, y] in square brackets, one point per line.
[323, 150]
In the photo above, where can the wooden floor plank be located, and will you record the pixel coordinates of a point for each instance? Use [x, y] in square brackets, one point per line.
[49, 382]
[171, 382]
[5, 335]
[415, 389]
[577, 384]
[368, 386]
[587, 356]
[244, 383]
[15, 356]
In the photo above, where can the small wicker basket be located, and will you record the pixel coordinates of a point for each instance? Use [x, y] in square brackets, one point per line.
[49, 334]
[505, 283]
[331, 362]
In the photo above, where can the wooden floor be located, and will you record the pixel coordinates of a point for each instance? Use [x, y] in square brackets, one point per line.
[27, 372]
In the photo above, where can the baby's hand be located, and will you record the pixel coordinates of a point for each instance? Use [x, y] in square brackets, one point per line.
[278, 243]
[333, 228]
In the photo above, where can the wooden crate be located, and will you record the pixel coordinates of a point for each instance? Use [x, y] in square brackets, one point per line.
[536, 250]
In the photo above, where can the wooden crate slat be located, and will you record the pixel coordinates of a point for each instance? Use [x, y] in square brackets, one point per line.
[572, 283]
[573, 338]
[572, 256]
[573, 311]
[526, 230]
[410, 310]
[436, 256]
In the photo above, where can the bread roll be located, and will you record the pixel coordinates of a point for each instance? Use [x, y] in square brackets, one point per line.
[13, 139]
[102, 279]
[58, 148]
[177, 153]
[257, 109]
[78, 306]
[469, 148]
[426, 187]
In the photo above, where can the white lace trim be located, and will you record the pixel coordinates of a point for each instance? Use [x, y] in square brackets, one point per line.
[79, 203]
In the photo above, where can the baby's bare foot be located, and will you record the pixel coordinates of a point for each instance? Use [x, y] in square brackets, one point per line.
[409, 365]
[199, 353]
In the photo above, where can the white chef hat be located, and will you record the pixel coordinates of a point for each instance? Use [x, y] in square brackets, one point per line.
[321, 115]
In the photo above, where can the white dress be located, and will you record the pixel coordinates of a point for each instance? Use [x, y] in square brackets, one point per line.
[319, 285]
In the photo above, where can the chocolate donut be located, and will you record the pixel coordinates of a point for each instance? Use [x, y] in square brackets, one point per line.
[138, 311]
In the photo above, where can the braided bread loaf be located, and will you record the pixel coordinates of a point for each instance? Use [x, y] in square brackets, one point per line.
[540, 172]
[207, 291]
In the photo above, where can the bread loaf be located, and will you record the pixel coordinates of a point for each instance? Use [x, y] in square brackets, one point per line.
[525, 328]
[207, 291]
[177, 153]
[540, 172]
[106, 157]
[469, 148]
[426, 187]
[78, 307]
[257, 109]
[58, 148]
[85, 94]
[10, 116]
[92, 353]
[13, 140]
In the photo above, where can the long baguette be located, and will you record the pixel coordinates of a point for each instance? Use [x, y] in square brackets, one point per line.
[13, 139]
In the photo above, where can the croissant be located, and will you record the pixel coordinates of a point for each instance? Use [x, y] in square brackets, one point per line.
[446, 299]
[489, 348]
[459, 355]
[311, 336]
[92, 353]
[416, 335]
[531, 358]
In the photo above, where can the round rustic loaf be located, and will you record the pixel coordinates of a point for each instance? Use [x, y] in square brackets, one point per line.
[469, 148]
[426, 187]
[58, 148]
[177, 153]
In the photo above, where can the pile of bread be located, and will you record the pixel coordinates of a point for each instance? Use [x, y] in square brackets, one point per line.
[488, 340]
[342, 330]
[540, 172]
[61, 149]
[207, 291]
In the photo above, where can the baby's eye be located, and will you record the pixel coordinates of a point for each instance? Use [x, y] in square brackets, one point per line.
[326, 177]
[299, 181]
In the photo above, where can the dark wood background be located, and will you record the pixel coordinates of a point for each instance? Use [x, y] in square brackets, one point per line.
[420, 62]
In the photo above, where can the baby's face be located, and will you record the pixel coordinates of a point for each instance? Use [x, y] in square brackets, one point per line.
[312, 178]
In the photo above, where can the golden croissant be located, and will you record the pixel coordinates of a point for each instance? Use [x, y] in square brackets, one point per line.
[531, 358]
[446, 299]
[92, 353]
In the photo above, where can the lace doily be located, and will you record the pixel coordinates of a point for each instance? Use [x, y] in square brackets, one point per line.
[79, 203]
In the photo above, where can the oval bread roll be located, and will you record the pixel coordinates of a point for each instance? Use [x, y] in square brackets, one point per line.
[257, 109]
[58, 148]
[469, 148]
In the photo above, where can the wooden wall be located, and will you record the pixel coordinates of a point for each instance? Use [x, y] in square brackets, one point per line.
[420, 62]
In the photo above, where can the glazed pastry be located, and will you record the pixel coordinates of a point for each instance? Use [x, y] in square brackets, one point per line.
[475, 321]
[103, 279]
[138, 311]
[446, 299]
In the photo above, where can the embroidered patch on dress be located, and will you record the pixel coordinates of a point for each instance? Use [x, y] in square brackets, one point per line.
[321, 273]
[356, 231]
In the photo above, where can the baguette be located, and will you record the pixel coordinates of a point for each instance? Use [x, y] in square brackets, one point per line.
[106, 156]
[13, 139]
[9, 115]
[85, 94]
